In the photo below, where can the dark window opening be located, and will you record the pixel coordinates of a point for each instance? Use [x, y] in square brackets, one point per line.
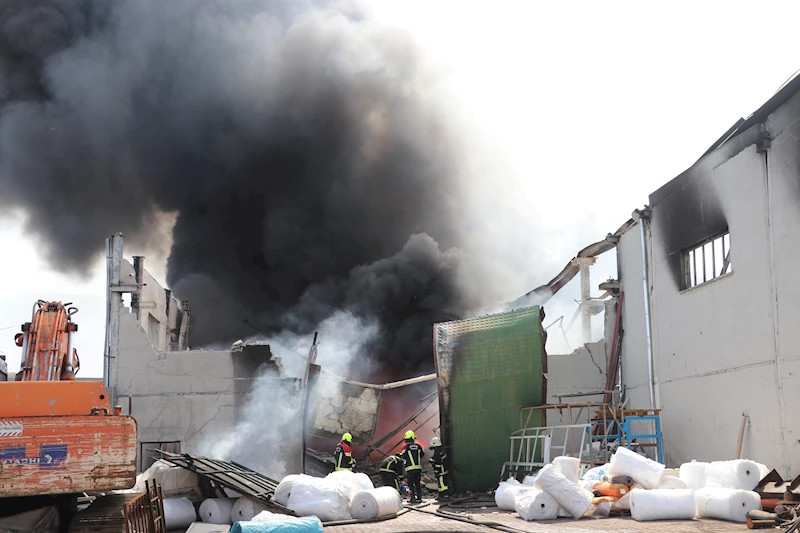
[707, 261]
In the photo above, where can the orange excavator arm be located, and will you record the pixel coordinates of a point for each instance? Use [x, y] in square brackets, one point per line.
[48, 352]
[59, 436]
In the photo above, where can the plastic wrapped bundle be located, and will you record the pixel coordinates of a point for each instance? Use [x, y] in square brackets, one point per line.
[726, 504]
[663, 504]
[284, 489]
[360, 479]
[694, 474]
[534, 504]
[308, 524]
[600, 509]
[244, 509]
[738, 474]
[573, 499]
[596, 473]
[376, 503]
[506, 494]
[179, 513]
[326, 499]
[570, 467]
[644, 471]
[617, 490]
[674, 483]
[216, 510]
[624, 503]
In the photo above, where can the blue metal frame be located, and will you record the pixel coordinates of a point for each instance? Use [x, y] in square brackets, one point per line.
[626, 425]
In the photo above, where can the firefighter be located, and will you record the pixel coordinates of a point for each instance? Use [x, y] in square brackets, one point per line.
[412, 457]
[391, 470]
[439, 468]
[343, 454]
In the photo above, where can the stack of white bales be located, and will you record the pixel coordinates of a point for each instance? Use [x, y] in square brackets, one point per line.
[721, 489]
[553, 492]
[342, 495]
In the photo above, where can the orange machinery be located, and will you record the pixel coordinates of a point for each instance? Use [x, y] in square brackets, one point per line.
[59, 436]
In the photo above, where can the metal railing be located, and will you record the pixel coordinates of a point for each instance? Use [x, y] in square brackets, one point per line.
[532, 448]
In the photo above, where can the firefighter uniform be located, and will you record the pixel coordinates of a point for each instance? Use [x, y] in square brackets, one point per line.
[391, 470]
[412, 457]
[439, 467]
[343, 455]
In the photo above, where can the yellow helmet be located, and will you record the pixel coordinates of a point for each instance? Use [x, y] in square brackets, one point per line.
[409, 435]
[347, 437]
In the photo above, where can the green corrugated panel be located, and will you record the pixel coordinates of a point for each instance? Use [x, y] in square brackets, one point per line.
[489, 367]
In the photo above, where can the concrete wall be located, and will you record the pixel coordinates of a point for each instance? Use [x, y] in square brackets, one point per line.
[179, 396]
[584, 370]
[336, 407]
[160, 315]
[729, 346]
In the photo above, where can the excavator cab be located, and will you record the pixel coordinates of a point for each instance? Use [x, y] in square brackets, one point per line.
[59, 435]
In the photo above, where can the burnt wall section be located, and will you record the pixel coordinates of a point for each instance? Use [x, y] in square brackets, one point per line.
[251, 361]
[687, 217]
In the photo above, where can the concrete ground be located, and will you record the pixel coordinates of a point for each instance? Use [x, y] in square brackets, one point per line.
[422, 522]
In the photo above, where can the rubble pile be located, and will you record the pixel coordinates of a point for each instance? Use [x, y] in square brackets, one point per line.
[632, 483]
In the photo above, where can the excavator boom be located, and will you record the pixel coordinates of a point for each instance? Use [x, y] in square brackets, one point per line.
[58, 435]
[48, 353]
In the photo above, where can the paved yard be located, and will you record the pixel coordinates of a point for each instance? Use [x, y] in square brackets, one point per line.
[419, 522]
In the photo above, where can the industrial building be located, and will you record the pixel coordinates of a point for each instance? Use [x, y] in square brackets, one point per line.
[708, 274]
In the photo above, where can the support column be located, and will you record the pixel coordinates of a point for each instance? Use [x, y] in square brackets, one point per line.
[586, 317]
[113, 310]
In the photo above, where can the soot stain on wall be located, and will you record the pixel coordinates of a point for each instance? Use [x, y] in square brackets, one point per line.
[685, 218]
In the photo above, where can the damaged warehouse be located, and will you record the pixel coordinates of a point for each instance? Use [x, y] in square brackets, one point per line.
[327, 335]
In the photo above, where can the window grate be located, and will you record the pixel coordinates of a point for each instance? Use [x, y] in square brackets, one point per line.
[707, 261]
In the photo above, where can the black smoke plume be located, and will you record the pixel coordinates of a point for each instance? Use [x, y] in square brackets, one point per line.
[301, 147]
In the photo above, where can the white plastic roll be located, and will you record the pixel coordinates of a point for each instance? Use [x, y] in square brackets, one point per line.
[663, 504]
[506, 494]
[376, 503]
[534, 504]
[726, 504]
[216, 510]
[574, 500]
[179, 513]
[528, 481]
[644, 471]
[361, 480]
[244, 509]
[326, 499]
[570, 467]
[738, 474]
[673, 483]
[694, 474]
[284, 489]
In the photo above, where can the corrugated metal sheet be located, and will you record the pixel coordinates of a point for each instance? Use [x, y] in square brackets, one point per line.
[66, 454]
[230, 475]
[488, 367]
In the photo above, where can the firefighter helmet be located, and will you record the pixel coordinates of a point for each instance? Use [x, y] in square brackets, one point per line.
[409, 435]
[436, 442]
[347, 437]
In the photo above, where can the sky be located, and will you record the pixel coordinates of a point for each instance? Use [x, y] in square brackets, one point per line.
[582, 109]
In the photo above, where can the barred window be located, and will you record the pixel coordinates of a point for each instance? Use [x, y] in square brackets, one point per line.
[708, 260]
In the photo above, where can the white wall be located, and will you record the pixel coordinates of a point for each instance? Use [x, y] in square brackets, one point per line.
[178, 396]
[584, 370]
[634, 342]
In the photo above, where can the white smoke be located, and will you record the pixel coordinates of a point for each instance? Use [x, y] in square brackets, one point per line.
[267, 438]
